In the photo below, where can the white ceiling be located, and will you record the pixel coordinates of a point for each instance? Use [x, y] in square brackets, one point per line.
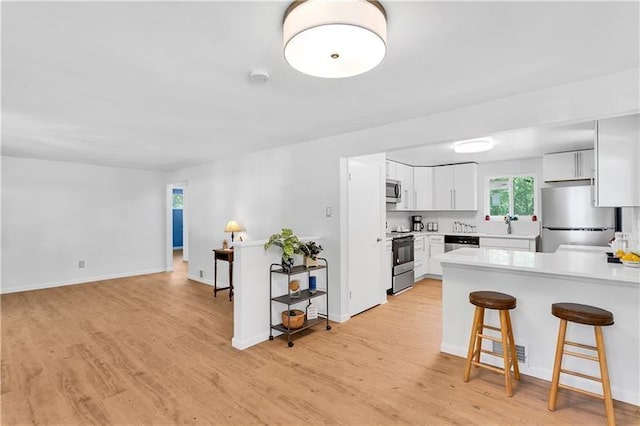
[162, 85]
[526, 143]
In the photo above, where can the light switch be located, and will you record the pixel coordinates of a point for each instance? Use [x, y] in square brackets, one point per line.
[329, 211]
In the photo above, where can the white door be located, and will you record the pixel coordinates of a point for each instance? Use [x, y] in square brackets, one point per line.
[443, 188]
[365, 247]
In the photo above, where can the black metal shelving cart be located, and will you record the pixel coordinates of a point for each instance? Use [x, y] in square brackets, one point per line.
[305, 296]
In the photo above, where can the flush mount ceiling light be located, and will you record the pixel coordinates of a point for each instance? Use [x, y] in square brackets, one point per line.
[469, 147]
[335, 38]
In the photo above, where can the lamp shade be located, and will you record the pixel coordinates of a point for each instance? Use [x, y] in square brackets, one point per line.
[232, 226]
[335, 38]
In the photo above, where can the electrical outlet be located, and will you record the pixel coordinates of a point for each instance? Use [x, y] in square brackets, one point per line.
[201, 273]
[329, 212]
[81, 264]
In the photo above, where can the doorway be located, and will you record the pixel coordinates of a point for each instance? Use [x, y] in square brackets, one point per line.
[177, 235]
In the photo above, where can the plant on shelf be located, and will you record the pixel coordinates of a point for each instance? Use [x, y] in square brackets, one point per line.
[310, 250]
[290, 245]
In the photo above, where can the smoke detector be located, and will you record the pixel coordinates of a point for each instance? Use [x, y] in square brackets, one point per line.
[259, 76]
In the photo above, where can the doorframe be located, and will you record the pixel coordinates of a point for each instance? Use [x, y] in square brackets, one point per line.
[169, 224]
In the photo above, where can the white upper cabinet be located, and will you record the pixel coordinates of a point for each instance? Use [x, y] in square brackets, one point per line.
[617, 179]
[443, 188]
[404, 174]
[455, 187]
[423, 188]
[573, 165]
[465, 189]
[392, 170]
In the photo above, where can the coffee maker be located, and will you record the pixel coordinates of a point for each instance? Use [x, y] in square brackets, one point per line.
[416, 223]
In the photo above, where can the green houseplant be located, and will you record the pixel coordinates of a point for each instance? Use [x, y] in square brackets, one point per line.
[290, 245]
[310, 250]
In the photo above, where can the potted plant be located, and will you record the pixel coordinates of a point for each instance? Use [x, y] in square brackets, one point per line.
[289, 244]
[310, 250]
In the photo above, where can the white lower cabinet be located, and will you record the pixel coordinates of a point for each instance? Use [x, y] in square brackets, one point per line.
[515, 244]
[420, 257]
[436, 248]
[387, 265]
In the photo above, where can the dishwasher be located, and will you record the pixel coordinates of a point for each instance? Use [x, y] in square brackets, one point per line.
[454, 242]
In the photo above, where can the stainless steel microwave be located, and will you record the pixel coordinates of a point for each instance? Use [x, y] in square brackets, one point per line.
[394, 191]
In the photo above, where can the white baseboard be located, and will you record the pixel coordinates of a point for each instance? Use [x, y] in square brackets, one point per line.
[41, 286]
[244, 344]
[339, 318]
[200, 280]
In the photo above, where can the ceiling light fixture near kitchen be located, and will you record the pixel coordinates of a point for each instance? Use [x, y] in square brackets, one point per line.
[335, 39]
[469, 147]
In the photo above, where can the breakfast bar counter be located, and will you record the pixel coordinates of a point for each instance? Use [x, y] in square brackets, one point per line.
[537, 280]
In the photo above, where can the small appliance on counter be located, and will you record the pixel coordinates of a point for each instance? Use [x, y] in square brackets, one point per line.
[416, 223]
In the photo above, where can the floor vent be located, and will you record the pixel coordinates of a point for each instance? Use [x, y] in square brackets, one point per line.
[521, 351]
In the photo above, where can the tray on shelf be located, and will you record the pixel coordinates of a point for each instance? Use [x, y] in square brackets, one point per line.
[307, 324]
[304, 296]
[298, 269]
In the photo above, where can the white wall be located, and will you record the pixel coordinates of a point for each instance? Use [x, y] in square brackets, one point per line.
[292, 186]
[55, 214]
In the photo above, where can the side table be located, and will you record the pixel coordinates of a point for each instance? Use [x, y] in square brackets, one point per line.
[227, 256]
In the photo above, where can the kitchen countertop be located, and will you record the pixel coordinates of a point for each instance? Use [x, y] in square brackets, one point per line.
[463, 234]
[567, 261]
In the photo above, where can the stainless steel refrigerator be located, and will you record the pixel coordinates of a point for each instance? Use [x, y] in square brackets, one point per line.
[568, 217]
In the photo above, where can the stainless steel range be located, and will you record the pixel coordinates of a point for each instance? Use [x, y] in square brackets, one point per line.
[402, 272]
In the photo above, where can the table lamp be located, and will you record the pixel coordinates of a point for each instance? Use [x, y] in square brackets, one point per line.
[232, 226]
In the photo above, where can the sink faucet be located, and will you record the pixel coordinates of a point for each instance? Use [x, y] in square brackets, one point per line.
[507, 220]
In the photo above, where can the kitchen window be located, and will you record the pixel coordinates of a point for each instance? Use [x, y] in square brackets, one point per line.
[511, 195]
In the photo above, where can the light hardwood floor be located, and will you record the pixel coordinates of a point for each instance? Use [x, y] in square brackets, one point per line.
[156, 349]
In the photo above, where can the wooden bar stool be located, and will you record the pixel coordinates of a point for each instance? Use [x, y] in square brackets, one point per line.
[503, 303]
[589, 315]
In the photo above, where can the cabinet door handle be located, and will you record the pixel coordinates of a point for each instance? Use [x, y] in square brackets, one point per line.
[406, 199]
[415, 199]
[575, 172]
[451, 198]
[378, 239]
[579, 164]
[454, 199]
